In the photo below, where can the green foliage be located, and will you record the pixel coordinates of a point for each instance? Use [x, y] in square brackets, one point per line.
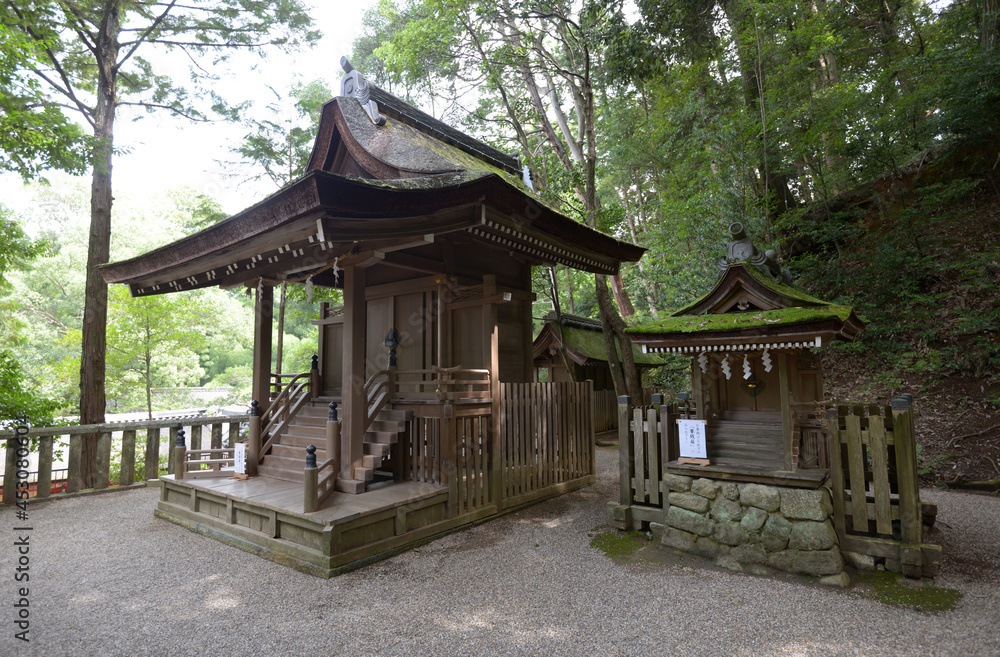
[16, 401]
[279, 146]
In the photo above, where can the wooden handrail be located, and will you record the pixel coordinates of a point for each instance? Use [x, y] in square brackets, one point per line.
[378, 392]
[282, 410]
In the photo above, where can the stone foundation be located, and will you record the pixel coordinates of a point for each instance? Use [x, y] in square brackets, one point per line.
[753, 527]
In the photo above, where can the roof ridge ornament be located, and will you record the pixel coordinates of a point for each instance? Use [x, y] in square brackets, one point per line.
[741, 249]
[354, 85]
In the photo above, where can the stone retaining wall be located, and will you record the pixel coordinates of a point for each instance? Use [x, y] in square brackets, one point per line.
[752, 527]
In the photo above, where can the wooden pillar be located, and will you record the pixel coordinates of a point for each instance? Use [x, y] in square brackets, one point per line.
[354, 406]
[263, 314]
[443, 326]
[698, 390]
[491, 349]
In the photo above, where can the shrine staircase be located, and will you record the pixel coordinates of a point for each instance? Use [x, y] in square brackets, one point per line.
[287, 457]
[747, 438]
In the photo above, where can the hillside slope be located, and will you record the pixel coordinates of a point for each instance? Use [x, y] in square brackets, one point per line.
[917, 252]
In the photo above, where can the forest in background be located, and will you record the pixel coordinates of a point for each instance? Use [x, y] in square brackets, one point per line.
[859, 140]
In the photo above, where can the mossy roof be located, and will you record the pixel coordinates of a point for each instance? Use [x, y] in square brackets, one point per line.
[802, 309]
[739, 321]
[591, 344]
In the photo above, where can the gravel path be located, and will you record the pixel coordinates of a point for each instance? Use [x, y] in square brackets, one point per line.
[109, 579]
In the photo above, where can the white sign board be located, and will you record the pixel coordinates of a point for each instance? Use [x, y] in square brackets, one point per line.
[692, 439]
[240, 456]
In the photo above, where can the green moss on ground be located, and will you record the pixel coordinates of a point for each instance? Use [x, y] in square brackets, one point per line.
[891, 589]
[618, 545]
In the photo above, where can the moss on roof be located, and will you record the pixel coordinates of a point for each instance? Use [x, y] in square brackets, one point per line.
[591, 344]
[739, 321]
[779, 288]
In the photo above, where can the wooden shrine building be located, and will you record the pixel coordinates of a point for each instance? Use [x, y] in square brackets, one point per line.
[585, 352]
[791, 482]
[752, 342]
[431, 235]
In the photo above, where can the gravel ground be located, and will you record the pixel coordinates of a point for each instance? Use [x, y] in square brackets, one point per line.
[109, 579]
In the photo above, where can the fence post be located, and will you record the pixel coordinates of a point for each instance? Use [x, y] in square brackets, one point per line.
[311, 479]
[73, 466]
[621, 513]
[910, 557]
[253, 442]
[10, 469]
[44, 488]
[179, 454]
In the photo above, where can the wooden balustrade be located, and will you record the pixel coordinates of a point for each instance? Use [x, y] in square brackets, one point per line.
[321, 480]
[50, 440]
[283, 409]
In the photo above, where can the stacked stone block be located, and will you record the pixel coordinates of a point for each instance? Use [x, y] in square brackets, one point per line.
[753, 527]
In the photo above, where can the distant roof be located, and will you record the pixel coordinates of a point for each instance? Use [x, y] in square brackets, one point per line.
[584, 339]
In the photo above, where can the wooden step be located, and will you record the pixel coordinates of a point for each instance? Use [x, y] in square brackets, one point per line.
[296, 452]
[302, 441]
[384, 437]
[394, 414]
[396, 426]
[280, 473]
[378, 449]
[305, 430]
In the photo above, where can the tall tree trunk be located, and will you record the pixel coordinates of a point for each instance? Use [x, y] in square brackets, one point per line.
[95, 311]
[989, 29]
[554, 287]
[616, 344]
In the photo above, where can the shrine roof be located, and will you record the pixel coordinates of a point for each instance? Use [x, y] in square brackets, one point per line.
[584, 340]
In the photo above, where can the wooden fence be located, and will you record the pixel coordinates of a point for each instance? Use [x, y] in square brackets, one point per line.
[647, 441]
[547, 437]
[147, 435]
[876, 492]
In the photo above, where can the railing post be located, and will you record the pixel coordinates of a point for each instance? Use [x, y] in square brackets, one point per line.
[311, 478]
[179, 455]
[253, 441]
[333, 439]
[314, 377]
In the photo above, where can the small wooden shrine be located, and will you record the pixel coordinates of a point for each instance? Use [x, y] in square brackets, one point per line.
[793, 482]
[751, 340]
[431, 235]
[585, 352]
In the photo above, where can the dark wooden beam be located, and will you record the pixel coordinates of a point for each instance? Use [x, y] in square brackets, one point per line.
[263, 313]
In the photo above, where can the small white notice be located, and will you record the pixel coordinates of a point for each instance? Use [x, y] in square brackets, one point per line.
[240, 458]
[691, 434]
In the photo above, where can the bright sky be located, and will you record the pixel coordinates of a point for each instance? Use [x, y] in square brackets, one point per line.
[164, 152]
